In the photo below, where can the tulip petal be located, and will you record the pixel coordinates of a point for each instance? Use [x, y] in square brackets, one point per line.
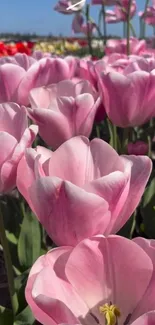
[100, 270]
[9, 168]
[140, 172]
[114, 188]
[42, 262]
[147, 302]
[10, 77]
[146, 319]
[42, 73]
[13, 119]
[66, 207]
[7, 145]
[89, 161]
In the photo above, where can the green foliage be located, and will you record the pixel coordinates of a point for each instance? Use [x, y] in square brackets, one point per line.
[29, 243]
[25, 317]
[6, 316]
[148, 210]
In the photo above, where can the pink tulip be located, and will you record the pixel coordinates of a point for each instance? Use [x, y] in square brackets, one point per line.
[120, 46]
[84, 189]
[16, 82]
[149, 15]
[105, 2]
[129, 98]
[63, 5]
[86, 71]
[94, 283]
[91, 26]
[89, 70]
[63, 111]
[78, 25]
[121, 11]
[38, 55]
[111, 17]
[149, 248]
[21, 59]
[15, 137]
[138, 148]
[72, 62]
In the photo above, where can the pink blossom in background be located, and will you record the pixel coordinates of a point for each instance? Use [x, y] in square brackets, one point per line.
[111, 17]
[91, 26]
[18, 78]
[77, 22]
[105, 2]
[21, 59]
[129, 98]
[120, 13]
[148, 245]
[15, 137]
[86, 70]
[149, 15]
[63, 5]
[121, 10]
[38, 55]
[79, 285]
[72, 62]
[89, 70]
[137, 148]
[63, 110]
[120, 46]
[78, 25]
[84, 189]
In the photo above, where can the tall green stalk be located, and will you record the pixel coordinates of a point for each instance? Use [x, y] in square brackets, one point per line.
[144, 26]
[113, 135]
[128, 27]
[104, 24]
[8, 265]
[124, 29]
[88, 29]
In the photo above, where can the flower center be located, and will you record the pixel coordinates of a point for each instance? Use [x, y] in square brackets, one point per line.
[111, 313]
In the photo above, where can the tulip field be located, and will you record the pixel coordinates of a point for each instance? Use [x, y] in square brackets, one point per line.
[77, 171]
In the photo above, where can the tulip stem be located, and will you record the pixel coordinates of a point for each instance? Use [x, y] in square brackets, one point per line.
[8, 265]
[104, 25]
[88, 29]
[132, 29]
[144, 26]
[98, 131]
[113, 134]
[97, 27]
[133, 224]
[128, 27]
[154, 36]
[149, 146]
[115, 137]
[125, 140]
[141, 27]
[124, 29]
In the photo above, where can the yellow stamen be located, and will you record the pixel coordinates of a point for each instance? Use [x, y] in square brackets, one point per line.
[111, 312]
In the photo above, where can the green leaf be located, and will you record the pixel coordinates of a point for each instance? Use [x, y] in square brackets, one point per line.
[29, 243]
[11, 237]
[148, 211]
[6, 316]
[25, 317]
[20, 284]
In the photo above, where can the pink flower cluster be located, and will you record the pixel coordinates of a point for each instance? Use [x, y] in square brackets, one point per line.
[79, 187]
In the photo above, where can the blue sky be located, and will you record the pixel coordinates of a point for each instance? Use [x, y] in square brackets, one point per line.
[38, 16]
